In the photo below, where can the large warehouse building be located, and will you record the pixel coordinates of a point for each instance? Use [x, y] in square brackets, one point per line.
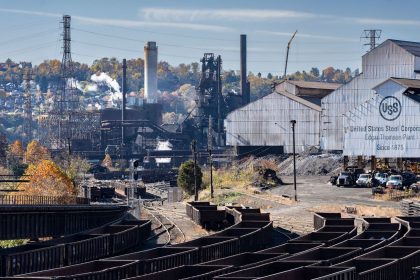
[265, 122]
[387, 125]
[348, 118]
[392, 58]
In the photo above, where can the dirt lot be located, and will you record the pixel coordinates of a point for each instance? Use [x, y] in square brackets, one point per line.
[314, 194]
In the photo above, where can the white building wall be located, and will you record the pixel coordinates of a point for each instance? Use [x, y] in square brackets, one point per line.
[417, 65]
[288, 87]
[387, 60]
[255, 124]
[367, 133]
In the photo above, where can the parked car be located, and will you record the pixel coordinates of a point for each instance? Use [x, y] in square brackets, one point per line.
[415, 187]
[364, 180]
[345, 179]
[395, 182]
[382, 178]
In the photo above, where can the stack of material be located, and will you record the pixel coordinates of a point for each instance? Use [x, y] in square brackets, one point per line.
[410, 207]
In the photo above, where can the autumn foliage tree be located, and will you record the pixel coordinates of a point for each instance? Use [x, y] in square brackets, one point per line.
[35, 152]
[14, 157]
[107, 162]
[74, 166]
[47, 179]
[16, 149]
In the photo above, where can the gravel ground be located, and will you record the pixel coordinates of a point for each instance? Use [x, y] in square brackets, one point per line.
[314, 194]
[176, 213]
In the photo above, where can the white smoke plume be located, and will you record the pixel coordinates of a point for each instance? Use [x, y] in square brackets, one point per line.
[104, 78]
[73, 83]
[91, 87]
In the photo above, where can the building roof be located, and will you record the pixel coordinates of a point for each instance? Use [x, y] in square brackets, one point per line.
[285, 94]
[411, 47]
[300, 100]
[315, 85]
[408, 83]
[412, 87]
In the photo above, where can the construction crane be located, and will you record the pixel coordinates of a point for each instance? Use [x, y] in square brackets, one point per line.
[287, 53]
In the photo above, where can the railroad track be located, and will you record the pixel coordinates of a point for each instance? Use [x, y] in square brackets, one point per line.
[165, 225]
[160, 229]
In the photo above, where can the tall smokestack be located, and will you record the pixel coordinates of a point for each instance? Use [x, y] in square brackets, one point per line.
[244, 83]
[124, 100]
[150, 73]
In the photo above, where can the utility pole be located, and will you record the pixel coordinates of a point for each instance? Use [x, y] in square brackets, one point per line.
[373, 35]
[287, 54]
[219, 101]
[69, 146]
[209, 149]
[69, 152]
[194, 151]
[124, 101]
[293, 123]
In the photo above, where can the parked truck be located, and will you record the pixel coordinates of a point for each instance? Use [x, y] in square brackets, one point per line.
[348, 177]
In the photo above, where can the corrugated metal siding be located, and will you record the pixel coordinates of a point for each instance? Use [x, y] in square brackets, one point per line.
[387, 60]
[286, 86]
[367, 114]
[338, 103]
[255, 124]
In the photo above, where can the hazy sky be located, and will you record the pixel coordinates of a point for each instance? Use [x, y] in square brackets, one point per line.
[328, 31]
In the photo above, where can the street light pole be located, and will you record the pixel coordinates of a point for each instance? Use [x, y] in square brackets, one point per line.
[293, 123]
[194, 150]
[209, 149]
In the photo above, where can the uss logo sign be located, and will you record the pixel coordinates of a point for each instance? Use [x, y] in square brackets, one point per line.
[390, 108]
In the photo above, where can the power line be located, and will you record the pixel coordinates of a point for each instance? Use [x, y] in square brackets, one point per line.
[25, 26]
[142, 41]
[26, 37]
[31, 48]
[175, 35]
[198, 48]
[190, 57]
[209, 38]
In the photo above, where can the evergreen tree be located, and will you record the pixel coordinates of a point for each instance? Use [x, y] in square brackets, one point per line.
[186, 177]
